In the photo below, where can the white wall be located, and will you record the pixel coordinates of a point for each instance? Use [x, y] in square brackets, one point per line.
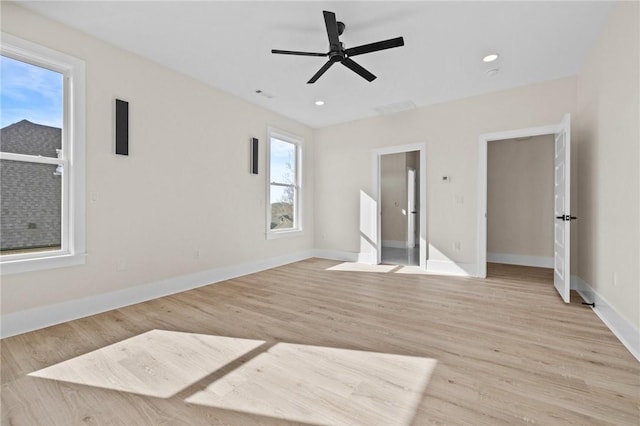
[451, 132]
[608, 139]
[183, 201]
[520, 197]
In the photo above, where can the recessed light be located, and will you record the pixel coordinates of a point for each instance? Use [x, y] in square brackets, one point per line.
[319, 103]
[490, 58]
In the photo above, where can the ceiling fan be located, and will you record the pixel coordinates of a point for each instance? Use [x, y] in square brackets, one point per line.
[337, 52]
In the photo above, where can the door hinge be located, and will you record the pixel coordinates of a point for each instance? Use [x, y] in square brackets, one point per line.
[566, 217]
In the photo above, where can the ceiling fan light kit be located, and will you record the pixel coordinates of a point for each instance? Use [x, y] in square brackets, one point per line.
[337, 52]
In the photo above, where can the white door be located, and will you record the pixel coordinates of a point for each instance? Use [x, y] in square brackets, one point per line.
[562, 209]
[411, 208]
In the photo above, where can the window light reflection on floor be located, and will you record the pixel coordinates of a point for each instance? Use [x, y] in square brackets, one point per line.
[157, 363]
[302, 383]
[314, 384]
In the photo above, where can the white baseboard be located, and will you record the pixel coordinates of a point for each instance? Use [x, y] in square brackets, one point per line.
[519, 259]
[626, 332]
[394, 244]
[36, 318]
[449, 267]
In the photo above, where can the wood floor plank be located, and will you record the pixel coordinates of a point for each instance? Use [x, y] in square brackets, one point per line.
[325, 342]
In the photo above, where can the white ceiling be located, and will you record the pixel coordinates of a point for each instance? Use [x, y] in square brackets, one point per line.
[228, 44]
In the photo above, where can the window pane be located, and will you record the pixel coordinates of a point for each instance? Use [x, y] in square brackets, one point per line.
[282, 210]
[31, 108]
[283, 162]
[31, 207]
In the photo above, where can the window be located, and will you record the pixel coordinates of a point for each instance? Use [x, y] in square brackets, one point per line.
[284, 190]
[41, 157]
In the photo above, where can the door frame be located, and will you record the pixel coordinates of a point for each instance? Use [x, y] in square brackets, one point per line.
[411, 206]
[376, 158]
[484, 139]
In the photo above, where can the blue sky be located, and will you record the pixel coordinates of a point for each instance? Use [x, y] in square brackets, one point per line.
[29, 92]
[282, 161]
[282, 166]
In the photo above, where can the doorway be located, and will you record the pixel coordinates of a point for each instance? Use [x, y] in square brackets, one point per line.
[561, 134]
[520, 201]
[399, 208]
[400, 183]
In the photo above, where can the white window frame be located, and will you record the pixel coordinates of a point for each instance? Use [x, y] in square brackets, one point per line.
[72, 159]
[298, 142]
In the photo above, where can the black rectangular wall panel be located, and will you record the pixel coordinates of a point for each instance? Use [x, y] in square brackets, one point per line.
[122, 127]
[254, 156]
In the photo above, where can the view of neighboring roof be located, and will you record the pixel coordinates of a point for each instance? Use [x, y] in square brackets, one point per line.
[25, 137]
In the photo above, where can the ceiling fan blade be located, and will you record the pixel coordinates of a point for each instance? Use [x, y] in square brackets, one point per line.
[353, 66]
[321, 71]
[374, 47]
[292, 52]
[332, 30]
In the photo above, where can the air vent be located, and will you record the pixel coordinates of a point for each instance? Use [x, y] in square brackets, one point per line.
[263, 93]
[393, 108]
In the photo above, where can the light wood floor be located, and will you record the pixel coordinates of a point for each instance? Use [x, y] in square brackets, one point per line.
[314, 343]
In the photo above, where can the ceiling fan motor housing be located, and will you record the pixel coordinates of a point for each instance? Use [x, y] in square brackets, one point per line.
[338, 54]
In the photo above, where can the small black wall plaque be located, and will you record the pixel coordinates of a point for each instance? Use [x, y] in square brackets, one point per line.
[122, 127]
[254, 156]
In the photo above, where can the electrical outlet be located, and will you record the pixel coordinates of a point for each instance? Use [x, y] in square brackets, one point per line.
[121, 265]
[614, 279]
[456, 246]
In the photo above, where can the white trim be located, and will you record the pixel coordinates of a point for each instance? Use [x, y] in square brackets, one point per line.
[298, 142]
[36, 318]
[51, 261]
[30, 158]
[72, 251]
[368, 258]
[521, 259]
[376, 257]
[624, 330]
[449, 267]
[395, 244]
[481, 262]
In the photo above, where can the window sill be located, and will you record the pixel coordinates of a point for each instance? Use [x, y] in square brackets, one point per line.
[271, 235]
[18, 266]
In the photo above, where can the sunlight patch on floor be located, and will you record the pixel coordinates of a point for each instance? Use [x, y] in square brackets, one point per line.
[313, 384]
[157, 363]
[362, 267]
[455, 270]
[300, 383]
[414, 270]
